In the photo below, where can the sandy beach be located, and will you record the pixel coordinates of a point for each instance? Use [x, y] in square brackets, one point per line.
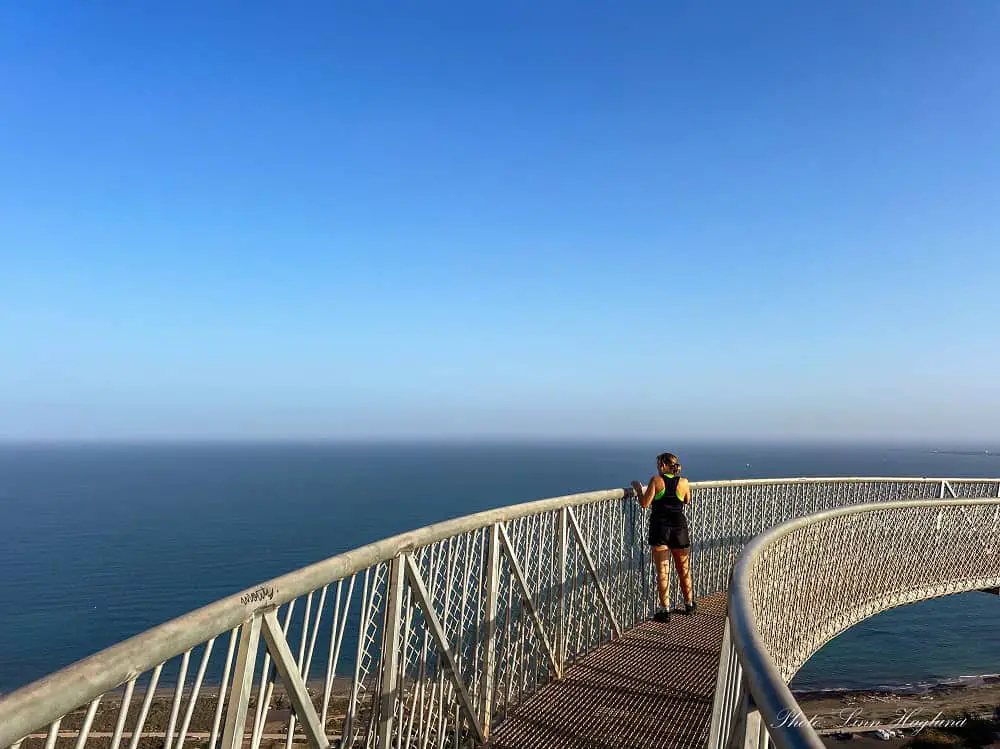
[858, 712]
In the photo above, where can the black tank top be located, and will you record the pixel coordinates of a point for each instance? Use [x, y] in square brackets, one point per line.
[667, 504]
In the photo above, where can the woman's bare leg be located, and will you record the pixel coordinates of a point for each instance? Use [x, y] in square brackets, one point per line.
[661, 557]
[682, 561]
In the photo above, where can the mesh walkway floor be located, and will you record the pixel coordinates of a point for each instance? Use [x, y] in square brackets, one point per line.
[652, 688]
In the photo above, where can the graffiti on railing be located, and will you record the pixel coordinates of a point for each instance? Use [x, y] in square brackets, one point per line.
[259, 595]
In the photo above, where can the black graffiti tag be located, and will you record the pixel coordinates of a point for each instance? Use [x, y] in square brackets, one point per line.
[257, 596]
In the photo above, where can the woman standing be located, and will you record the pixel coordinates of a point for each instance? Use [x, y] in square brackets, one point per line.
[667, 493]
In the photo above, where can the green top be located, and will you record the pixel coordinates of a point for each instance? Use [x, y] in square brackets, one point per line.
[664, 489]
[672, 501]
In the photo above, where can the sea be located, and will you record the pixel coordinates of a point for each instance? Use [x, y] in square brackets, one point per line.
[101, 541]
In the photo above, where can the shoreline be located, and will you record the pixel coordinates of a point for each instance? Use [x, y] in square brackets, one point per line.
[976, 695]
[862, 711]
[800, 693]
[909, 688]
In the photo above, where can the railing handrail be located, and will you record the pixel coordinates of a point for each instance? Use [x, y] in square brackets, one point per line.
[841, 480]
[771, 695]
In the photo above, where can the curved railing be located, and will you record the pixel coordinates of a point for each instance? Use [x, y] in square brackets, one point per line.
[424, 639]
[801, 584]
[428, 636]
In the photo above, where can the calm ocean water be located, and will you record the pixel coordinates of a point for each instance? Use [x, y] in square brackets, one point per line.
[99, 542]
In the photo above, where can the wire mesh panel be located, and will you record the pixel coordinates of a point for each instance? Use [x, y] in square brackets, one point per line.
[800, 585]
[813, 583]
[725, 516]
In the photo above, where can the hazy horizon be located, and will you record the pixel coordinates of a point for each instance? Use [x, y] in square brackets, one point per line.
[957, 446]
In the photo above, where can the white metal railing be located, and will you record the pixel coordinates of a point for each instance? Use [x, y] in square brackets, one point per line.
[799, 585]
[424, 639]
[447, 627]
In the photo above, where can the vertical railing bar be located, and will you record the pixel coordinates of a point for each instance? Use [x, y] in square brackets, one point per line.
[420, 690]
[267, 674]
[193, 698]
[437, 704]
[312, 642]
[390, 652]
[440, 712]
[539, 539]
[430, 706]
[415, 705]
[510, 647]
[481, 610]
[299, 663]
[242, 686]
[446, 689]
[728, 699]
[217, 718]
[517, 651]
[315, 632]
[737, 701]
[50, 740]
[176, 704]
[463, 600]
[531, 649]
[600, 547]
[718, 705]
[140, 720]
[489, 626]
[330, 670]
[123, 713]
[333, 658]
[87, 722]
[530, 666]
[444, 560]
[447, 616]
[562, 609]
[623, 568]
[348, 732]
[404, 648]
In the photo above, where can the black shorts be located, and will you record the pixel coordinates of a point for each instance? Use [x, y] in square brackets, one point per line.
[675, 535]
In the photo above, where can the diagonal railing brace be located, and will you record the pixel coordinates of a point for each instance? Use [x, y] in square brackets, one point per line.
[528, 602]
[288, 670]
[575, 526]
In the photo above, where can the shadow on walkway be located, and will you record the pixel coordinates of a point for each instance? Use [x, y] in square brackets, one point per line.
[653, 688]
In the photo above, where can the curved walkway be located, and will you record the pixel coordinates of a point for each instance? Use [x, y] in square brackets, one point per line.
[652, 688]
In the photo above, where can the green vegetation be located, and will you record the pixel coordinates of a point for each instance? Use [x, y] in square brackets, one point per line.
[976, 733]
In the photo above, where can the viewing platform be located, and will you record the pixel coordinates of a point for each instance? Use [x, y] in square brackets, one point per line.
[653, 688]
[528, 627]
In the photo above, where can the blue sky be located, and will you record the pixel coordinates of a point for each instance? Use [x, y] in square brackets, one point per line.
[550, 219]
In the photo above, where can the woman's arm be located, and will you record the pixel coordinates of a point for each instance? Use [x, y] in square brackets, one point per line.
[646, 497]
[684, 491]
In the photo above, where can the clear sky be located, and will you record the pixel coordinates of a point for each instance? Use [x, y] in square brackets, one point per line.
[364, 219]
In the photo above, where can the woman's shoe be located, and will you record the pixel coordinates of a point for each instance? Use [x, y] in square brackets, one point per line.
[690, 608]
[661, 615]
